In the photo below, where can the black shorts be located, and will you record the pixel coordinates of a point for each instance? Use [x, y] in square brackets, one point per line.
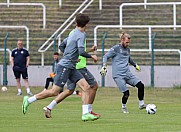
[18, 71]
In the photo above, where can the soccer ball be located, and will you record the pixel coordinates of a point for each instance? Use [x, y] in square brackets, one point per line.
[151, 108]
[4, 89]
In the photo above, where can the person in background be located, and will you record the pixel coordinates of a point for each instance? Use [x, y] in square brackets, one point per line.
[56, 57]
[20, 59]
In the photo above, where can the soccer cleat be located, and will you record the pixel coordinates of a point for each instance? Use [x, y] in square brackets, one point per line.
[19, 93]
[30, 94]
[25, 104]
[125, 110]
[47, 112]
[142, 106]
[95, 114]
[89, 117]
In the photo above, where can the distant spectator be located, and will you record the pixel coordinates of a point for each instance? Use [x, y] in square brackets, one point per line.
[56, 57]
[20, 60]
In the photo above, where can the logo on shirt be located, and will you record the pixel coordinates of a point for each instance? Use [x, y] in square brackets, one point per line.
[22, 52]
[16, 52]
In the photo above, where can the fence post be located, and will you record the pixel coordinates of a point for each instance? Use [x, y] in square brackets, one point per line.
[5, 82]
[152, 59]
[103, 41]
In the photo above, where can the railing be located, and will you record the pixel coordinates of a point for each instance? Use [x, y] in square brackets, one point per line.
[139, 26]
[29, 4]
[100, 4]
[158, 3]
[27, 33]
[42, 49]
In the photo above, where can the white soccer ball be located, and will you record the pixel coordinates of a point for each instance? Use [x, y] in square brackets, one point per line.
[151, 108]
[4, 89]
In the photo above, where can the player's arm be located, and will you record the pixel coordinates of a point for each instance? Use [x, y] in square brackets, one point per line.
[92, 49]
[108, 55]
[86, 55]
[12, 61]
[134, 64]
[27, 61]
[63, 45]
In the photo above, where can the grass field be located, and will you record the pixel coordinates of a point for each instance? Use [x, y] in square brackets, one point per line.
[66, 117]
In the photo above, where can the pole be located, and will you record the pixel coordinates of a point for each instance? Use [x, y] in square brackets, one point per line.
[103, 41]
[5, 82]
[152, 60]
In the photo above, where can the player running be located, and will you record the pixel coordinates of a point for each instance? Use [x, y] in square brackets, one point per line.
[66, 69]
[81, 67]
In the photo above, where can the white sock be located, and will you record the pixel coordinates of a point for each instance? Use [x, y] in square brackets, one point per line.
[85, 109]
[32, 99]
[19, 90]
[123, 105]
[141, 102]
[28, 90]
[52, 105]
[89, 107]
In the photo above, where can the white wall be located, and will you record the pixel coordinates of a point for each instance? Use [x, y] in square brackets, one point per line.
[165, 76]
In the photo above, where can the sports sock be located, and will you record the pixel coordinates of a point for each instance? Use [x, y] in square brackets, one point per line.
[85, 109]
[123, 105]
[141, 102]
[32, 99]
[19, 90]
[28, 90]
[89, 107]
[52, 105]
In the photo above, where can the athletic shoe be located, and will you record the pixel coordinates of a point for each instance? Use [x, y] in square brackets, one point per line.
[142, 106]
[95, 114]
[30, 94]
[19, 93]
[25, 104]
[125, 110]
[47, 112]
[89, 117]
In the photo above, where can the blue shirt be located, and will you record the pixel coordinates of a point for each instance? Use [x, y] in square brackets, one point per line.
[71, 53]
[20, 57]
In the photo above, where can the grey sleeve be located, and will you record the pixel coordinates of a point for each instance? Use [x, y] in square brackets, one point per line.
[63, 45]
[111, 53]
[132, 62]
[83, 53]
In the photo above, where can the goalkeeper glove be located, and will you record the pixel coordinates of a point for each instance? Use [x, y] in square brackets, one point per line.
[138, 68]
[103, 71]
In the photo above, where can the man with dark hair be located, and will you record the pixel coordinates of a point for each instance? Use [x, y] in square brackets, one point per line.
[66, 70]
[56, 57]
[20, 60]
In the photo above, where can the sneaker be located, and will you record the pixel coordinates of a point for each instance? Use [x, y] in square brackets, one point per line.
[25, 104]
[95, 114]
[125, 110]
[19, 93]
[142, 106]
[47, 112]
[30, 94]
[89, 117]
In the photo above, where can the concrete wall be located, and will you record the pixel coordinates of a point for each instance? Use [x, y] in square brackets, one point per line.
[165, 76]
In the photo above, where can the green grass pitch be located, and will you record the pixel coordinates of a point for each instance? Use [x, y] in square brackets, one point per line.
[66, 117]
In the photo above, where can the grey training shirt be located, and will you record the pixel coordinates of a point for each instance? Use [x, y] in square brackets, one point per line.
[120, 60]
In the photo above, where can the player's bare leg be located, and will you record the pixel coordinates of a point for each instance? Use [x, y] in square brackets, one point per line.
[92, 93]
[85, 100]
[19, 86]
